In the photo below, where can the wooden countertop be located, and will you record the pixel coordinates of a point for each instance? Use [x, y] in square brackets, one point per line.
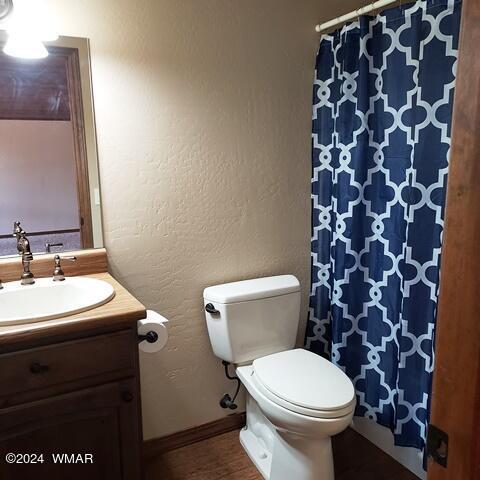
[123, 309]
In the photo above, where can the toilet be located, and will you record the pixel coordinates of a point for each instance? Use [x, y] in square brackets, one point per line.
[296, 400]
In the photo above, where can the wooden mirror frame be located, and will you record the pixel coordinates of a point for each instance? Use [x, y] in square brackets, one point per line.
[80, 150]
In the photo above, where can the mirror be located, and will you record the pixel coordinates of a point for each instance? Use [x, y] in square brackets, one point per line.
[48, 154]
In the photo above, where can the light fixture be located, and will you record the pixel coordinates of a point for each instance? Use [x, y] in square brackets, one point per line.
[6, 7]
[28, 28]
[24, 46]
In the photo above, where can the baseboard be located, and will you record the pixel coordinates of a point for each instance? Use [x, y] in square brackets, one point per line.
[157, 446]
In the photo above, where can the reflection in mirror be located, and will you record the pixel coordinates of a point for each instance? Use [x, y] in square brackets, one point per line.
[48, 157]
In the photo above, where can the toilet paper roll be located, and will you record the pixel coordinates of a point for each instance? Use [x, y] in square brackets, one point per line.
[153, 323]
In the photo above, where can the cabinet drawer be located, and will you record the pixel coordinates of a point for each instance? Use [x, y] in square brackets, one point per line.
[58, 363]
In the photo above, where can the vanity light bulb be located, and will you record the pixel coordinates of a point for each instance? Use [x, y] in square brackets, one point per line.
[24, 47]
[28, 27]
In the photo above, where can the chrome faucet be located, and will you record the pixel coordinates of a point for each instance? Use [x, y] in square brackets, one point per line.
[23, 247]
[58, 275]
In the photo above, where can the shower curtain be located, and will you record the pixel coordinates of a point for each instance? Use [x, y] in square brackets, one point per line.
[383, 96]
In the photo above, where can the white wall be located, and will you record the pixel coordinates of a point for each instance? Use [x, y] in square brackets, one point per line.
[203, 113]
[37, 176]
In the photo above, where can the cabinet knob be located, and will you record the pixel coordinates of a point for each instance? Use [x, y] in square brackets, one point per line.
[127, 396]
[39, 368]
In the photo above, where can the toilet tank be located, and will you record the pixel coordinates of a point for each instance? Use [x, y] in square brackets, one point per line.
[252, 318]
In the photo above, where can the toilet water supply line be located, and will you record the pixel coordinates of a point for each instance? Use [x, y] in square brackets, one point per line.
[227, 401]
[352, 15]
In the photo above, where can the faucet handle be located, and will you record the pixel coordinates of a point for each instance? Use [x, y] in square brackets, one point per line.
[58, 275]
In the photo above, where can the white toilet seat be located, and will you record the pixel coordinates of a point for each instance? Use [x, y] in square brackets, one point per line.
[304, 383]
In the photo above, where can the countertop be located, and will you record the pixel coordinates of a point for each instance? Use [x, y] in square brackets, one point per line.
[123, 309]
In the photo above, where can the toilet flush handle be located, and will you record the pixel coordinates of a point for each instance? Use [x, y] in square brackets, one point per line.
[209, 307]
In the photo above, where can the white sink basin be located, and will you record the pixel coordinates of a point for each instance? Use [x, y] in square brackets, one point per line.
[46, 299]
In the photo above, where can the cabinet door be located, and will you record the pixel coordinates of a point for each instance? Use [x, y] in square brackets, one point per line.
[102, 422]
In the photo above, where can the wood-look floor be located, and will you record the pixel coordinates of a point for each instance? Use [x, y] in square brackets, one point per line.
[222, 458]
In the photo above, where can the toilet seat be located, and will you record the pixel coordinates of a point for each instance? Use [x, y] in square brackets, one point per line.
[305, 383]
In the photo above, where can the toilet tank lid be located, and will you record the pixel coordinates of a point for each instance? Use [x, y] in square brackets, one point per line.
[254, 289]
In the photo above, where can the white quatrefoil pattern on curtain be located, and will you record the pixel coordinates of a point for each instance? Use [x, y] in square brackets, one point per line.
[383, 97]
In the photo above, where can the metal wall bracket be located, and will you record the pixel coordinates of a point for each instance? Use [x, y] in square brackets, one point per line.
[437, 445]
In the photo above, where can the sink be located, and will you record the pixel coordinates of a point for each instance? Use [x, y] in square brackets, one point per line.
[46, 299]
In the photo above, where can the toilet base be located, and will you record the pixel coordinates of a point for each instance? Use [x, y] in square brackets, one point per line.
[260, 458]
[282, 455]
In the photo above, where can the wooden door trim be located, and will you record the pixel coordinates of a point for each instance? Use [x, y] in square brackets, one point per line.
[456, 382]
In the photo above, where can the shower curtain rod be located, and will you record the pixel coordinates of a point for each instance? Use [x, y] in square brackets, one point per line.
[356, 13]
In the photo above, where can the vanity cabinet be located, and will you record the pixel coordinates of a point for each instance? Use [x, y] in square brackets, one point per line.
[76, 396]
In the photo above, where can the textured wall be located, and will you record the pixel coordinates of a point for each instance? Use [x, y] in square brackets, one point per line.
[203, 121]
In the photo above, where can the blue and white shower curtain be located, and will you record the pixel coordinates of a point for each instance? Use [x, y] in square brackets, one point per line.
[383, 97]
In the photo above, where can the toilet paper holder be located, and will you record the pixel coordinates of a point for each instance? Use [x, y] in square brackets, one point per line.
[150, 337]
[152, 334]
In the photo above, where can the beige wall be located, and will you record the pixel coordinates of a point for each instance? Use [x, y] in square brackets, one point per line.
[203, 122]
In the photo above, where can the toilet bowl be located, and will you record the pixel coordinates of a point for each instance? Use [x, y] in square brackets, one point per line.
[296, 400]
[283, 437]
